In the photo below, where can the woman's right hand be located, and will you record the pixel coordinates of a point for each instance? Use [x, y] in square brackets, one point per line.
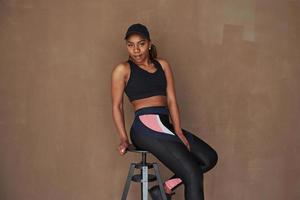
[123, 146]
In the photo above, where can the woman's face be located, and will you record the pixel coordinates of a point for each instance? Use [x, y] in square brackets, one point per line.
[138, 47]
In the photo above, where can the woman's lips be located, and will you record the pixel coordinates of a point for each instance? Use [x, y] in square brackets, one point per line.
[138, 57]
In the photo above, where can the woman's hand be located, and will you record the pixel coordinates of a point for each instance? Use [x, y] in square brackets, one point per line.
[184, 140]
[123, 146]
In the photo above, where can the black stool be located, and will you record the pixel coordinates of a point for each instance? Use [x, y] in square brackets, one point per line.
[143, 177]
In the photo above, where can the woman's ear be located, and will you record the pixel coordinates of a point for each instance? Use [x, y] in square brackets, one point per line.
[150, 43]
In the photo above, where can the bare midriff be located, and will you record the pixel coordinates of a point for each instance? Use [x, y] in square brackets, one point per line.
[158, 100]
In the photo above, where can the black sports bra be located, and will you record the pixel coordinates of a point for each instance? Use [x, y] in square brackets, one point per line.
[142, 84]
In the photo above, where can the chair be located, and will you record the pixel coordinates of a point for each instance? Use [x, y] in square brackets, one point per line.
[144, 177]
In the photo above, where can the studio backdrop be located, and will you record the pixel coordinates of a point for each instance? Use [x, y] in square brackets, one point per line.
[237, 78]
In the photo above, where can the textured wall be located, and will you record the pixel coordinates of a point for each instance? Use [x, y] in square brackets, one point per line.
[236, 67]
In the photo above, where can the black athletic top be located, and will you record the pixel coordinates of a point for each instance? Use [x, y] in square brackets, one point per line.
[142, 84]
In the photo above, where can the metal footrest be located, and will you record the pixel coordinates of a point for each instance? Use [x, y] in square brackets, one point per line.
[140, 165]
[138, 178]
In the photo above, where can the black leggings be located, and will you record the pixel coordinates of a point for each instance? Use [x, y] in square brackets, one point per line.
[151, 130]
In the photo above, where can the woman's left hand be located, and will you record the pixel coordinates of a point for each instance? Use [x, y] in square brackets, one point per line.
[184, 140]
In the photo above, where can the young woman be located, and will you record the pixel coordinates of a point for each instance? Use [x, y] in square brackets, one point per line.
[149, 85]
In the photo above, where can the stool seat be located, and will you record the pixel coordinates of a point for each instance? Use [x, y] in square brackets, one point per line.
[144, 177]
[133, 148]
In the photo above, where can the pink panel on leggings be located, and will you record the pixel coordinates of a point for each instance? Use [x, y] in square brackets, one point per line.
[150, 120]
[172, 182]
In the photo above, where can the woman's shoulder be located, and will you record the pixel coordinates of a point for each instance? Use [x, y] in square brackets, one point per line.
[163, 62]
[122, 68]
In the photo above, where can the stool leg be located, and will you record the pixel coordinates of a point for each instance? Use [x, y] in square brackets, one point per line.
[128, 181]
[145, 182]
[161, 187]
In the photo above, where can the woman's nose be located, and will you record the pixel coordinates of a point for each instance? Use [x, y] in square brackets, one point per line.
[136, 49]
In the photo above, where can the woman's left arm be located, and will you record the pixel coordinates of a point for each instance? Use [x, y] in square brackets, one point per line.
[171, 98]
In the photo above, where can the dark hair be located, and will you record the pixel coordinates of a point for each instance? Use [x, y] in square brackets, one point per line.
[153, 52]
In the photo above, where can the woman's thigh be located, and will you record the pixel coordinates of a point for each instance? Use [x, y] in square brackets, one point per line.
[174, 155]
[156, 134]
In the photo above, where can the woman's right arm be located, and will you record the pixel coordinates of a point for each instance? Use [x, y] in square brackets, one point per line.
[117, 88]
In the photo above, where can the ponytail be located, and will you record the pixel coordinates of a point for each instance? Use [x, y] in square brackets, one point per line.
[153, 52]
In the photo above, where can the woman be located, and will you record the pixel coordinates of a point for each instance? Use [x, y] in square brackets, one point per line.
[148, 82]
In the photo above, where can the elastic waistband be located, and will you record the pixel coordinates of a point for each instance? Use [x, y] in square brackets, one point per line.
[152, 110]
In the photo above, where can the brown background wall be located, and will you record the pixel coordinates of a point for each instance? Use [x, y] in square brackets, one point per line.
[236, 67]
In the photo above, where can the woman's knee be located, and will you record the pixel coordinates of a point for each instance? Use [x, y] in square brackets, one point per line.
[214, 158]
[211, 160]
